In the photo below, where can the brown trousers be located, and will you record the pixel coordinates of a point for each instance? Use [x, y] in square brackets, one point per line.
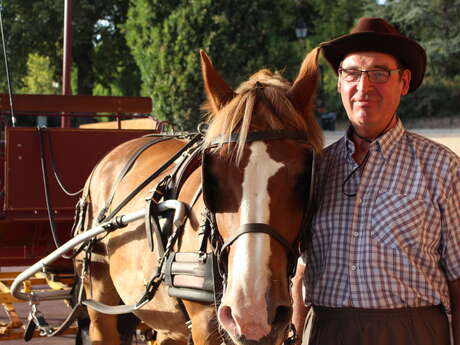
[352, 326]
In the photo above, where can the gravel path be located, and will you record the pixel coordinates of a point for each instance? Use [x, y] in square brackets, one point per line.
[447, 137]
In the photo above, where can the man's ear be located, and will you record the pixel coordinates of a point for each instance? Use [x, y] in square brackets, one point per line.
[406, 78]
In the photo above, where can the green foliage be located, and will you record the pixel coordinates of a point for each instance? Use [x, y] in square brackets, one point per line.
[23, 35]
[100, 53]
[40, 76]
[433, 99]
[328, 20]
[333, 18]
[240, 37]
[434, 25]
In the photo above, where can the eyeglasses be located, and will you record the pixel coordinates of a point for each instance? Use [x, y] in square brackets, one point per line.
[377, 76]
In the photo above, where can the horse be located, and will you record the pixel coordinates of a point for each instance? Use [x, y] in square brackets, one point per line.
[250, 183]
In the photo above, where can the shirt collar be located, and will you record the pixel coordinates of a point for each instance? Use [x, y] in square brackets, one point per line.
[391, 139]
[385, 143]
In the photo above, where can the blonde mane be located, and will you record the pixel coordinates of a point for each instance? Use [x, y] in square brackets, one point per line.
[238, 116]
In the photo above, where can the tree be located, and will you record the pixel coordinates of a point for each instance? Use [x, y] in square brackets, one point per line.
[328, 20]
[40, 76]
[240, 37]
[432, 23]
[100, 53]
[24, 35]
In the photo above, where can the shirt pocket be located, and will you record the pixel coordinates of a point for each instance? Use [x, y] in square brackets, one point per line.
[397, 220]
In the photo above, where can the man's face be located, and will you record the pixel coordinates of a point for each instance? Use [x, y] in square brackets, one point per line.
[370, 106]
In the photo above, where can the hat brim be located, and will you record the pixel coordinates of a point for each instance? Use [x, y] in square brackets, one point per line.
[407, 51]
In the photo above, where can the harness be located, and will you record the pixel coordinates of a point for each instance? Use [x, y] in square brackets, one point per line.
[199, 275]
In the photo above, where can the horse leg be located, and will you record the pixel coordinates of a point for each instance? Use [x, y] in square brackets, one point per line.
[126, 325]
[103, 327]
[83, 322]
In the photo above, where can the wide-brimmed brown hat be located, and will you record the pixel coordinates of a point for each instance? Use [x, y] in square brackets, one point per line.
[375, 34]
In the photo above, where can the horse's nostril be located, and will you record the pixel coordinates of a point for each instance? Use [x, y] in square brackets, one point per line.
[226, 319]
[225, 314]
[283, 315]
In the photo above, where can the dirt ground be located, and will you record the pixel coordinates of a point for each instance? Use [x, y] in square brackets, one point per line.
[449, 137]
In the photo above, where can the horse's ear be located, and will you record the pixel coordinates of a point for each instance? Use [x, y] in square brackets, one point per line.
[217, 90]
[303, 89]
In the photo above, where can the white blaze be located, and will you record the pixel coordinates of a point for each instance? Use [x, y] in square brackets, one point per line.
[252, 281]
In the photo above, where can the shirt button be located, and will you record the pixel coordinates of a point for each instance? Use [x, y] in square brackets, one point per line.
[354, 268]
[356, 233]
[359, 201]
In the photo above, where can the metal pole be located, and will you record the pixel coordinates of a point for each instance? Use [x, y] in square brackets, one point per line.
[67, 60]
[10, 92]
[180, 210]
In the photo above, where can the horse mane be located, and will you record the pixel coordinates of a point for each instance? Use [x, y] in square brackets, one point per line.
[238, 116]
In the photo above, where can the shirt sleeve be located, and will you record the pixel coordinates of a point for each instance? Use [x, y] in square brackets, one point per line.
[450, 213]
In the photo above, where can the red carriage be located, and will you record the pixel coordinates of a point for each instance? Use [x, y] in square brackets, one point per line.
[36, 164]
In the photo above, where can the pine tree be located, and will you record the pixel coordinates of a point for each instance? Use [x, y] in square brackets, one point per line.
[241, 37]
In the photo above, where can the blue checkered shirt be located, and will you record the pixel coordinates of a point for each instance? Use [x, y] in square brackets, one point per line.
[397, 242]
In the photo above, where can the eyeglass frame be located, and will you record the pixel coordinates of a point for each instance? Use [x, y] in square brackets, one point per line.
[389, 74]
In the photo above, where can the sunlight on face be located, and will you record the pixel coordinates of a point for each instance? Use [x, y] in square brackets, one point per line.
[371, 106]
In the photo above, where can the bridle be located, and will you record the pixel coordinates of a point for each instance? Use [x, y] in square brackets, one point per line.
[267, 135]
[221, 247]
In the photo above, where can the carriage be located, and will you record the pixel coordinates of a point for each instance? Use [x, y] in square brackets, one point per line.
[39, 166]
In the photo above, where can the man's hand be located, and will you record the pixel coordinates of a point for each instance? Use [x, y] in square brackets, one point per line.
[299, 310]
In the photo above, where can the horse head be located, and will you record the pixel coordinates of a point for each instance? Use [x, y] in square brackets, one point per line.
[256, 181]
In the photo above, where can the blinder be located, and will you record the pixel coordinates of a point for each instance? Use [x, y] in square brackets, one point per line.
[189, 276]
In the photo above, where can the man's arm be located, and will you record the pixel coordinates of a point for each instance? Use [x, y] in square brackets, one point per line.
[299, 310]
[454, 290]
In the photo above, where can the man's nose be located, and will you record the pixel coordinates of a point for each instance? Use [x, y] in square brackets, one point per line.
[364, 83]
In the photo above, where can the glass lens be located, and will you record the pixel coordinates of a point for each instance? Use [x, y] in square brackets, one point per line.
[378, 76]
[375, 76]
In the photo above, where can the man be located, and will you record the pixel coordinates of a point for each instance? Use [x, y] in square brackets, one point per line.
[382, 264]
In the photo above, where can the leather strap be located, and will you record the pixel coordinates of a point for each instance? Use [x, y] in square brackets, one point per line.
[281, 134]
[123, 172]
[257, 228]
[154, 175]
